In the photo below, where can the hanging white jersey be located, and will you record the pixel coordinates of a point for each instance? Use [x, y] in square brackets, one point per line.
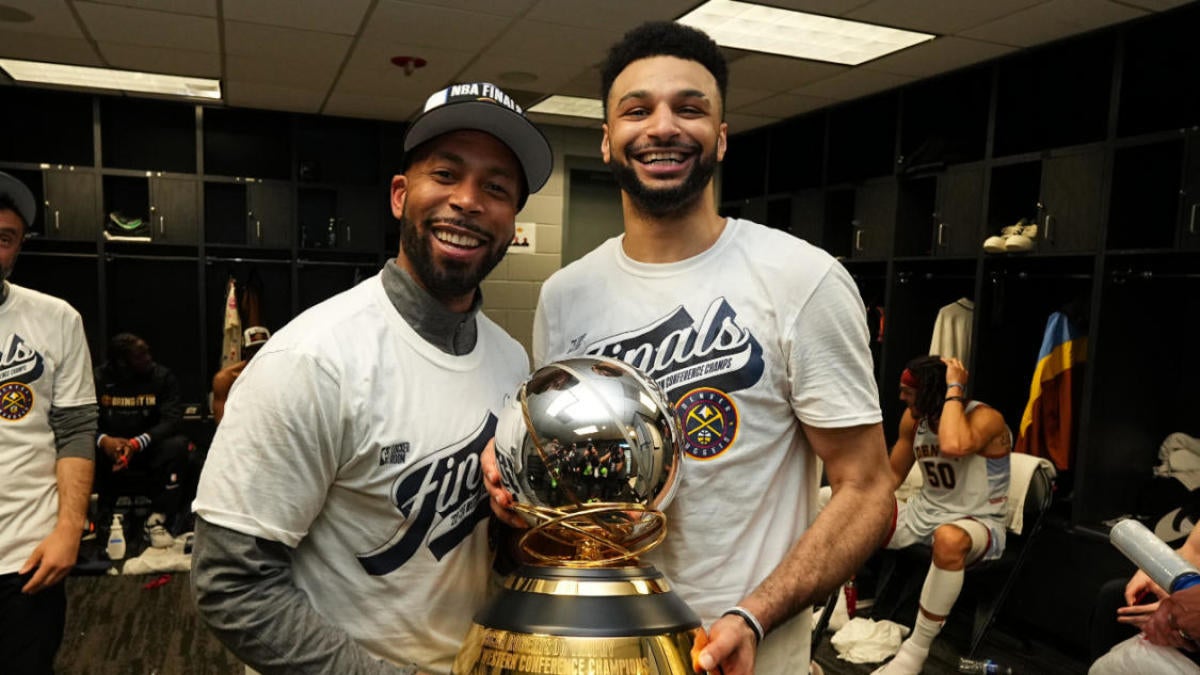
[354, 441]
[749, 338]
[44, 364]
[972, 486]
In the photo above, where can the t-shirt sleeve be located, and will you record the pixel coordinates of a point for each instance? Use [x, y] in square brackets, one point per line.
[831, 370]
[543, 338]
[73, 385]
[277, 450]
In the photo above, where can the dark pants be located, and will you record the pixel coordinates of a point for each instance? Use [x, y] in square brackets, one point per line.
[31, 626]
[157, 471]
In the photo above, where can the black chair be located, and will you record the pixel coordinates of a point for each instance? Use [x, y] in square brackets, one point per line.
[902, 572]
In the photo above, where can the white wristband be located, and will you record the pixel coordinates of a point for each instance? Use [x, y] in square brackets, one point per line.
[750, 620]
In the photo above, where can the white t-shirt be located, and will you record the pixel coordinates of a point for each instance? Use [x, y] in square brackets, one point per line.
[750, 337]
[354, 441]
[44, 364]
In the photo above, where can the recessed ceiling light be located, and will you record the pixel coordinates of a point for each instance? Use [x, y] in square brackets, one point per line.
[570, 106]
[87, 77]
[801, 35]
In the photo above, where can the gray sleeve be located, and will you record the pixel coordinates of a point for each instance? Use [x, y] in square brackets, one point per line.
[244, 590]
[74, 431]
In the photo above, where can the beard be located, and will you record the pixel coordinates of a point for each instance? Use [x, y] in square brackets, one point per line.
[451, 279]
[664, 201]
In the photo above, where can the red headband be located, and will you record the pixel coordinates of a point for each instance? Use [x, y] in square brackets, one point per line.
[907, 379]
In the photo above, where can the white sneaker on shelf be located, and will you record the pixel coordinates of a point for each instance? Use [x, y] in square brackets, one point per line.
[156, 531]
[1023, 241]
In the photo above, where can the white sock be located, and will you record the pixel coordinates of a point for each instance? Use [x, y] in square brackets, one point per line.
[938, 595]
[907, 661]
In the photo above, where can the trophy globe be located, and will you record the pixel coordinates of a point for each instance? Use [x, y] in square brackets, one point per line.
[590, 449]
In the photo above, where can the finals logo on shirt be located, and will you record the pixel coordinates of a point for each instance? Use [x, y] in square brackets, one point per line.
[20, 366]
[697, 363]
[441, 499]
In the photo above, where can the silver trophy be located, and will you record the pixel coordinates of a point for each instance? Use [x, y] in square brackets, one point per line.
[591, 450]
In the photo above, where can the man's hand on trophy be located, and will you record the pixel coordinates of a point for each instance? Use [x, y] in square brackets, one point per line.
[731, 648]
[498, 497]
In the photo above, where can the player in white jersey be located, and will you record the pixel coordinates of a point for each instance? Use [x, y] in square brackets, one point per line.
[47, 427]
[963, 447]
[761, 342]
[341, 515]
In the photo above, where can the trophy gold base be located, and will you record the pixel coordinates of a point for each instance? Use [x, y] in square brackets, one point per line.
[582, 621]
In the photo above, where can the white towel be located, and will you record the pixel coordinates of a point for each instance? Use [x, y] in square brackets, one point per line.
[866, 641]
[1021, 468]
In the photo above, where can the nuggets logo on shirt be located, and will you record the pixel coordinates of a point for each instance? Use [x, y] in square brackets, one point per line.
[16, 400]
[702, 362]
[709, 420]
[441, 499]
[20, 366]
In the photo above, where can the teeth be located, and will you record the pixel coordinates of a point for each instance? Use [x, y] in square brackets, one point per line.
[457, 239]
[652, 157]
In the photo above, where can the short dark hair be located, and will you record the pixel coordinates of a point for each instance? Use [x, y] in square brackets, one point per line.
[122, 346]
[663, 38]
[8, 204]
[930, 394]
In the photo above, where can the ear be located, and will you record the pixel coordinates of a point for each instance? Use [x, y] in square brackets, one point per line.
[604, 151]
[399, 194]
[721, 139]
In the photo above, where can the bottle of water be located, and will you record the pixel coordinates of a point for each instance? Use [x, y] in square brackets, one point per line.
[982, 667]
[116, 539]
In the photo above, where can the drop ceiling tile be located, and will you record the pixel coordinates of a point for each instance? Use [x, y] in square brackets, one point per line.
[537, 41]
[124, 25]
[194, 7]
[783, 106]
[497, 7]
[585, 84]
[426, 26]
[299, 73]
[740, 122]
[619, 14]
[542, 120]
[159, 60]
[1157, 5]
[343, 17]
[738, 97]
[272, 96]
[51, 48]
[853, 84]
[323, 50]
[942, 17]
[778, 73]
[550, 74]
[937, 56]
[370, 70]
[826, 7]
[1051, 21]
[373, 106]
[48, 19]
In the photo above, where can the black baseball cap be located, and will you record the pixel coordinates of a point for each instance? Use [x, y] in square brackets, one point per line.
[21, 197]
[483, 106]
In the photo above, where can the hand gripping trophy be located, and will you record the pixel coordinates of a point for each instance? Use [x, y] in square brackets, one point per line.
[590, 449]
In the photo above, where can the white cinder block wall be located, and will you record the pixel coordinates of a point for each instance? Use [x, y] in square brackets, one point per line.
[510, 293]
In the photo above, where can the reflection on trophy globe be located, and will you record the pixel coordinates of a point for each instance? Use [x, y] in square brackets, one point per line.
[591, 451]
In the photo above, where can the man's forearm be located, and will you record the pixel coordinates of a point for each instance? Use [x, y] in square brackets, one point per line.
[74, 477]
[845, 533]
[244, 590]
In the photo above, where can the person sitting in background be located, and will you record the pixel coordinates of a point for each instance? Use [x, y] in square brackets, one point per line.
[140, 412]
[252, 340]
[963, 447]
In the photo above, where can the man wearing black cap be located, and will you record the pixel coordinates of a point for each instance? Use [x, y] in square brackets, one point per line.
[47, 425]
[341, 513]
